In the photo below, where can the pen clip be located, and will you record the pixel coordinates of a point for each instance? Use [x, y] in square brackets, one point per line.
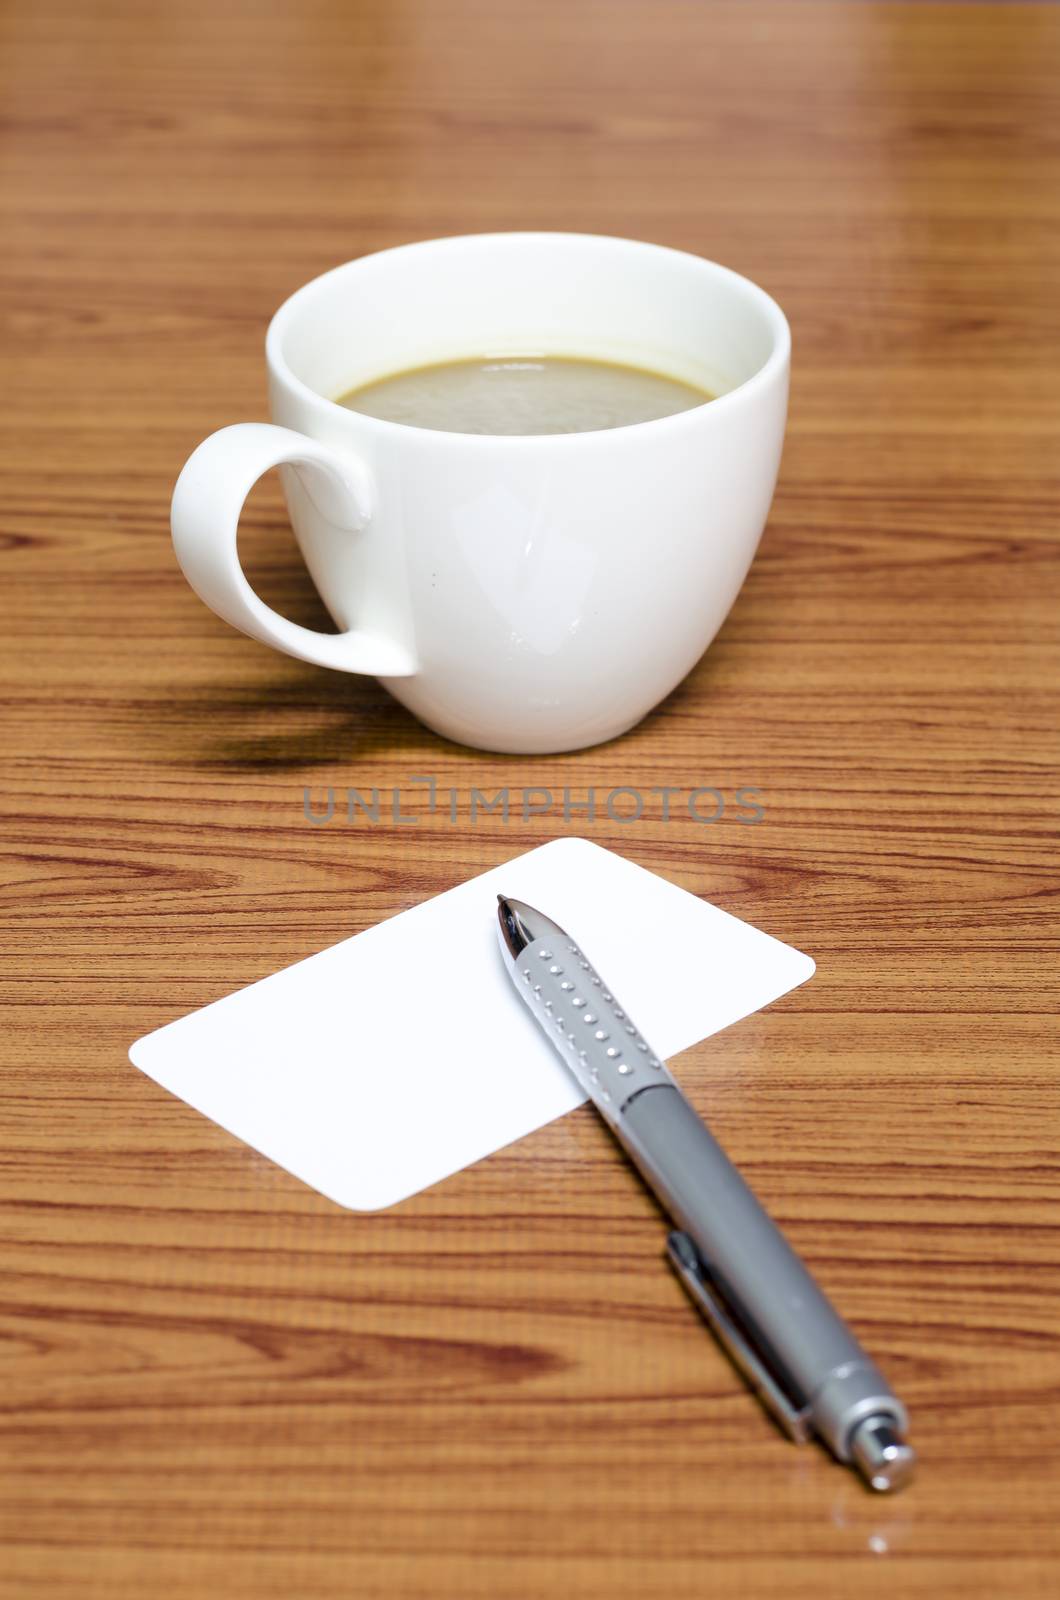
[685, 1259]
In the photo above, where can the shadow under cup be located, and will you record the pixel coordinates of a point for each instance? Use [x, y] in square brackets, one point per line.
[547, 590]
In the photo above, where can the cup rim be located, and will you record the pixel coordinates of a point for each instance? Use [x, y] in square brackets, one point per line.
[778, 357]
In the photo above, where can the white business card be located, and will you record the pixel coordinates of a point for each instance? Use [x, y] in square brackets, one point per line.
[402, 1055]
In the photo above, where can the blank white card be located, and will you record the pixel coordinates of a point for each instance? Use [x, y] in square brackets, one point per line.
[404, 1054]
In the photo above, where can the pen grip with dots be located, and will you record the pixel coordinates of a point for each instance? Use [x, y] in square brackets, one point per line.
[600, 1044]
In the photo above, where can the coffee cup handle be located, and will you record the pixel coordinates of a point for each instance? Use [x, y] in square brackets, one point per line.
[207, 502]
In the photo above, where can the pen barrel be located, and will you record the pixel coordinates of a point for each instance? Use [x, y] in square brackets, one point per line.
[765, 1287]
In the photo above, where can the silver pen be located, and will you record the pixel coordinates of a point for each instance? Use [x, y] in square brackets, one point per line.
[758, 1298]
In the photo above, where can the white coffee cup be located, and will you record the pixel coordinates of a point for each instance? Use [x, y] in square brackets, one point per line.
[535, 593]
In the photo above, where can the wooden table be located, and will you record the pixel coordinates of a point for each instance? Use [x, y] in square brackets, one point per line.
[215, 1382]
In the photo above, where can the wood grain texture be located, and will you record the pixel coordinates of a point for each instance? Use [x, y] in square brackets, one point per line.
[213, 1381]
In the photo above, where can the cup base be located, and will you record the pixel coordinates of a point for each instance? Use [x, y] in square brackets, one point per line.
[528, 745]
